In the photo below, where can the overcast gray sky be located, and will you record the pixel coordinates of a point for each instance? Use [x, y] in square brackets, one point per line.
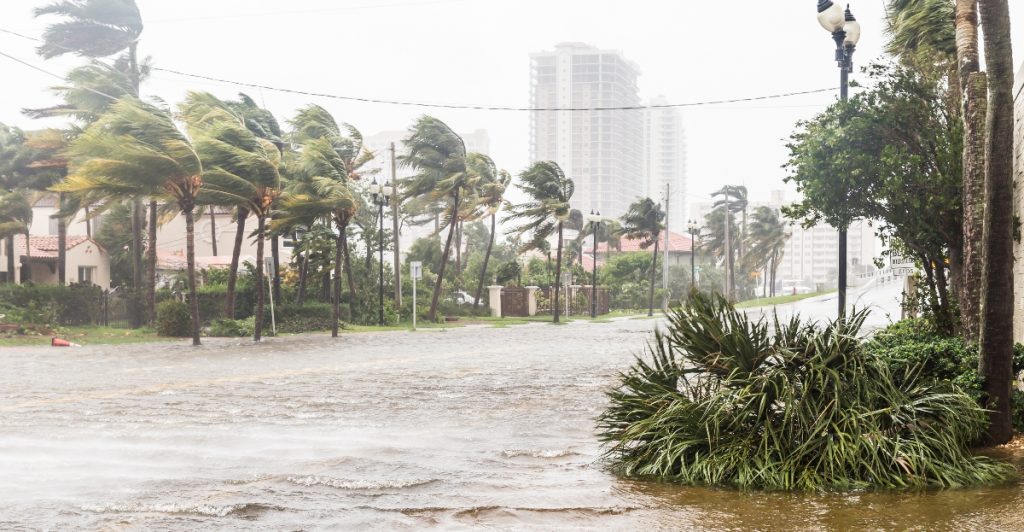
[476, 52]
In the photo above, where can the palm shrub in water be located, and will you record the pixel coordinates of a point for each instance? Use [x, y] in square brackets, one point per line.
[723, 400]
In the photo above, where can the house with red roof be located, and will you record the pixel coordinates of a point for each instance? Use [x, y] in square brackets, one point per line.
[680, 248]
[36, 261]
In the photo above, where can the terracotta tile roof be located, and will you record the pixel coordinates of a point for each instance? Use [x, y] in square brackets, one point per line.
[677, 243]
[46, 247]
[177, 261]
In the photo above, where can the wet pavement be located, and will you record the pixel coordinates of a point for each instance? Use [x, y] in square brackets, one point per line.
[462, 429]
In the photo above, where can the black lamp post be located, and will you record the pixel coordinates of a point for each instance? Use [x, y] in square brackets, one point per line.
[846, 33]
[693, 229]
[381, 197]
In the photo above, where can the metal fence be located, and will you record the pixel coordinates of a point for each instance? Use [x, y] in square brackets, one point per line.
[574, 300]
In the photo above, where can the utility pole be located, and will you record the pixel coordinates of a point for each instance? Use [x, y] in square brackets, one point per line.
[664, 262]
[728, 250]
[395, 231]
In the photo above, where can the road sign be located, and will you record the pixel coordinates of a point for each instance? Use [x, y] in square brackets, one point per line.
[416, 270]
[902, 272]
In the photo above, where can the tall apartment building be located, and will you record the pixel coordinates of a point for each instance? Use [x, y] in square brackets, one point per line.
[602, 151]
[811, 253]
[665, 159]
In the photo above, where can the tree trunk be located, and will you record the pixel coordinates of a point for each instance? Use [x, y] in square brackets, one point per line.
[487, 258]
[558, 273]
[458, 248]
[730, 281]
[933, 293]
[261, 227]
[654, 275]
[213, 230]
[151, 263]
[190, 257]
[26, 269]
[136, 257]
[432, 315]
[996, 362]
[945, 319]
[236, 253]
[339, 246]
[348, 269]
[300, 297]
[62, 244]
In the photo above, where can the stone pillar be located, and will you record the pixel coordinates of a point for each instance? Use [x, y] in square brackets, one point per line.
[494, 293]
[531, 300]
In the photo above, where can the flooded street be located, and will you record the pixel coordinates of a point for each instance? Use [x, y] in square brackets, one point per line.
[465, 428]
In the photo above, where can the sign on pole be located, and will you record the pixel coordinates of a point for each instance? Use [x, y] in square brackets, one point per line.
[416, 269]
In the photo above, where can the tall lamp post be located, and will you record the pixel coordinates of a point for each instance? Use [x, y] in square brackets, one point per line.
[595, 220]
[693, 229]
[845, 32]
[381, 197]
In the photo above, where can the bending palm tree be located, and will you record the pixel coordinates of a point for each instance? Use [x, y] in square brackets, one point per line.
[438, 155]
[490, 195]
[15, 219]
[767, 244]
[240, 169]
[644, 222]
[136, 150]
[545, 211]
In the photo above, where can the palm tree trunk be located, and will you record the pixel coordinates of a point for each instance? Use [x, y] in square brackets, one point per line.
[974, 88]
[348, 268]
[729, 281]
[88, 223]
[261, 226]
[487, 258]
[236, 253]
[213, 230]
[151, 263]
[458, 249]
[190, 257]
[300, 297]
[654, 275]
[558, 273]
[432, 315]
[136, 207]
[339, 248]
[62, 244]
[996, 362]
[10, 260]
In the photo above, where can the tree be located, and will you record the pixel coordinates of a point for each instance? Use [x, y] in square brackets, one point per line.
[996, 365]
[766, 243]
[733, 199]
[717, 241]
[900, 156]
[15, 219]
[136, 150]
[98, 29]
[491, 185]
[644, 222]
[239, 169]
[545, 211]
[438, 155]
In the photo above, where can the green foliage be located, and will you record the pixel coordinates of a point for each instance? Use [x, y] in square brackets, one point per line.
[311, 317]
[232, 328]
[919, 344]
[722, 400]
[173, 319]
[49, 304]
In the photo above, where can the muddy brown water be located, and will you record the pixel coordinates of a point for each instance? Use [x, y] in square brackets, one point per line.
[463, 429]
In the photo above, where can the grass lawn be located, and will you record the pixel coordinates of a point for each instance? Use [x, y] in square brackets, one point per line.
[780, 300]
[86, 336]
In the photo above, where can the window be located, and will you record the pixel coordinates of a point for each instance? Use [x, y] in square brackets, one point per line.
[86, 274]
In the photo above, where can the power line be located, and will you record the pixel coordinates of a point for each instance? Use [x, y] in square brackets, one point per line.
[305, 11]
[58, 76]
[472, 107]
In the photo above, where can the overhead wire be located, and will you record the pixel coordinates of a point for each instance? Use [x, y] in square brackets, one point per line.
[420, 104]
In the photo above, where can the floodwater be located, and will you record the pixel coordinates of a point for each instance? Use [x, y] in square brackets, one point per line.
[462, 429]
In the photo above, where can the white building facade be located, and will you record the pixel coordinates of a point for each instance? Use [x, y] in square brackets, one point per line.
[665, 160]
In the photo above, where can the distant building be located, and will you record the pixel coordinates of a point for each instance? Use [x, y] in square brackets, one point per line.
[665, 159]
[86, 261]
[811, 254]
[1018, 158]
[601, 151]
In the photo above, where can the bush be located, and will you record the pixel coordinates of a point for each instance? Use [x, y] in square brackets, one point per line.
[918, 344]
[173, 319]
[295, 319]
[46, 304]
[232, 328]
[725, 401]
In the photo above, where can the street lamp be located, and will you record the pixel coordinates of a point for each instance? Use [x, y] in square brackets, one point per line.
[381, 197]
[846, 33]
[693, 229]
[595, 220]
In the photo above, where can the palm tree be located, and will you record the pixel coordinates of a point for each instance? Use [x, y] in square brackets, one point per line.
[491, 185]
[545, 211]
[335, 150]
[98, 29]
[766, 244]
[921, 26]
[136, 150]
[996, 363]
[438, 155]
[717, 242]
[644, 222]
[239, 169]
[15, 219]
[733, 200]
